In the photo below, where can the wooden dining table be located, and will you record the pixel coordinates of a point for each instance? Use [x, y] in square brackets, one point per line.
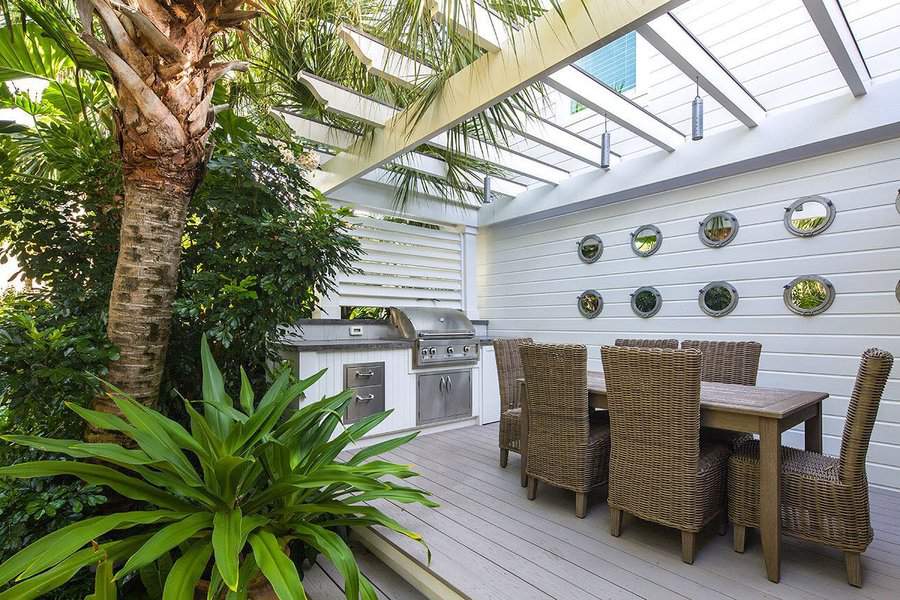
[766, 412]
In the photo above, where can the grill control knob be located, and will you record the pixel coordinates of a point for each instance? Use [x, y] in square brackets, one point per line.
[466, 348]
[424, 351]
[449, 349]
[432, 350]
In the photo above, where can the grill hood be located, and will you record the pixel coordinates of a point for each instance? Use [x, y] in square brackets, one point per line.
[417, 322]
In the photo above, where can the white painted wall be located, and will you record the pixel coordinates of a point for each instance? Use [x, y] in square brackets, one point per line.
[529, 278]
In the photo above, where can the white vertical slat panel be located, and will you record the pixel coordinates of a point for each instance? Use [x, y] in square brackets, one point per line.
[402, 265]
[529, 278]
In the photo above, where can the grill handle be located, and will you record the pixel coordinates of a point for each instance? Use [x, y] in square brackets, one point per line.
[365, 373]
[365, 399]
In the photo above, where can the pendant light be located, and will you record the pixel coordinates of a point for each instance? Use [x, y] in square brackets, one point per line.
[604, 145]
[697, 115]
[488, 196]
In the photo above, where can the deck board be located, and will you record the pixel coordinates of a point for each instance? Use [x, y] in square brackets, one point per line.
[490, 542]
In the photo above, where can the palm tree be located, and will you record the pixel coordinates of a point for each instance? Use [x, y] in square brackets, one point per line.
[162, 60]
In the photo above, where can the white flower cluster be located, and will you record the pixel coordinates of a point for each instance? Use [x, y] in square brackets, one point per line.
[308, 161]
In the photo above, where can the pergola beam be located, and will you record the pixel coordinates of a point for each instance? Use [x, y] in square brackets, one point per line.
[344, 101]
[488, 31]
[506, 159]
[558, 138]
[829, 19]
[676, 43]
[578, 85]
[546, 44]
[383, 61]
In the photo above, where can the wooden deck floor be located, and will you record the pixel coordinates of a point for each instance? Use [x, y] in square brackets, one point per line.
[491, 543]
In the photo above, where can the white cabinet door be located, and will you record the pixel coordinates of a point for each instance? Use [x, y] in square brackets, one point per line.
[490, 387]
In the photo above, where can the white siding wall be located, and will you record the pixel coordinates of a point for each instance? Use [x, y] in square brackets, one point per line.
[403, 265]
[530, 276]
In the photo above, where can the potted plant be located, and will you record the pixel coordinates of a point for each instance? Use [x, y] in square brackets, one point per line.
[220, 502]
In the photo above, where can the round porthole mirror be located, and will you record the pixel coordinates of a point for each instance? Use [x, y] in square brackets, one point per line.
[718, 229]
[809, 216]
[590, 303]
[718, 298]
[809, 295]
[646, 302]
[646, 240]
[590, 249]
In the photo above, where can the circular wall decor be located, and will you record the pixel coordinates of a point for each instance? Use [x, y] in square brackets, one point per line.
[646, 302]
[897, 291]
[718, 298]
[590, 303]
[718, 229]
[809, 216]
[646, 240]
[809, 295]
[590, 248]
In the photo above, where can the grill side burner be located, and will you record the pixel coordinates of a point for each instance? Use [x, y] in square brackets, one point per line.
[442, 336]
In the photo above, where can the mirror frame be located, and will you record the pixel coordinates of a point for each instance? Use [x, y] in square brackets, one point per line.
[652, 251]
[655, 292]
[591, 237]
[809, 312]
[731, 305]
[718, 244]
[590, 315]
[897, 290]
[830, 212]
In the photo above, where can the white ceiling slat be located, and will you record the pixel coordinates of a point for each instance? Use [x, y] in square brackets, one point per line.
[557, 138]
[336, 98]
[317, 132]
[488, 31]
[586, 90]
[550, 41]
[829, 19]
[383, 61]
[511, 161]
[673, 41]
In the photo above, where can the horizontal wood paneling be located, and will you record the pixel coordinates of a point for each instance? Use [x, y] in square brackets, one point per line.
[530, 276]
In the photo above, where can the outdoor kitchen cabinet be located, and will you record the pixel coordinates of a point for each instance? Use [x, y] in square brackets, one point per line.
[443, 396]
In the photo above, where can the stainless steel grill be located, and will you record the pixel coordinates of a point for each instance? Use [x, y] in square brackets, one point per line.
[442, 336]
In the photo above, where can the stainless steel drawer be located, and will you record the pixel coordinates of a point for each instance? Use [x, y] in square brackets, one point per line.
[366, 400]
[363, 374]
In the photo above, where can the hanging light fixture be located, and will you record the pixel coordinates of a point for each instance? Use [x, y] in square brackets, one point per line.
[488, 196]
[697, 115]
[604, 145]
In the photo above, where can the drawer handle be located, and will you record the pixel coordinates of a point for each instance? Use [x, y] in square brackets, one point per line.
[365, 398]
[365, 373]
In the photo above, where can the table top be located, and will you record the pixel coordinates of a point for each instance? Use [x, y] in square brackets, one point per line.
[730, 397]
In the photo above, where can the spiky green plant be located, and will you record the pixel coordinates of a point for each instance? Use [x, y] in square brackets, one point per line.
[226, 498]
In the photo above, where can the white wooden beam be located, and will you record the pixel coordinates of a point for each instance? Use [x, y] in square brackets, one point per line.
[383, 61]
[347, 102]
[507, 159]
[676, 43]
[832, 24]
[317, 132]
[546, 44]
[562, 140]
[583, 88]
[470, 19]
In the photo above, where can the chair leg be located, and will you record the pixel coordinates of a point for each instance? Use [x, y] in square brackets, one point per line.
[532, 488]
[615, 522]
[581, 501]
[504, 457]
[723, 523]
[854, 568]
[688, 546]
[740, 538]
[522, 475]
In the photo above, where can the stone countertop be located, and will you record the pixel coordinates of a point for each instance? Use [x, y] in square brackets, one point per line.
[345, 344]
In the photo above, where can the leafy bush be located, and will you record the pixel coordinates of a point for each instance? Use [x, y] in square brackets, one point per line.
[227, 497]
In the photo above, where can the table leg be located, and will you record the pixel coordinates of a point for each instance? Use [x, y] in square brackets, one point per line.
[812, 431]
[770, 495]
[523, 435]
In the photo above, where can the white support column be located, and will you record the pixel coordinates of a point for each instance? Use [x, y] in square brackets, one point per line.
[829, 19]
[470, 271]
[675, 42]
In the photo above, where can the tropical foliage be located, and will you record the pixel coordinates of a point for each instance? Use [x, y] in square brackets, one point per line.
[224, 500]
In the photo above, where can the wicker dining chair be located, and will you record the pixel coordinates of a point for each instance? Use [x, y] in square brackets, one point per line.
[673, 344]
[727, 362]
[824, 499]
[565, 448]
[659, 469]
[509, 370]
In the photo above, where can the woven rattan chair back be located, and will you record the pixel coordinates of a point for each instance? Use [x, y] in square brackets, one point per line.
[558, 415]
[874, 369]
[727, 362]
[509, 369]
[673, 344]
[654, 411]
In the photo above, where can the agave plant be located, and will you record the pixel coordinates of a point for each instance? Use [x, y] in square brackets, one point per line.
[224, 500]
